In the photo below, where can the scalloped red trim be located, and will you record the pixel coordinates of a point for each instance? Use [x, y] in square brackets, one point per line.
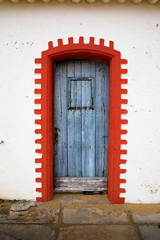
[72, 51]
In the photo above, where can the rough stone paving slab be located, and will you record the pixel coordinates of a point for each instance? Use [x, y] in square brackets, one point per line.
[72, 200]
[40, 215]
[150, 232]
[29, 212]
[154, 218]
[21, 206]
[93, 216]
[4, 211]
[110, 232]
[26, 232]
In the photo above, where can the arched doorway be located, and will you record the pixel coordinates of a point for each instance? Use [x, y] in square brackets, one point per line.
[81, 50]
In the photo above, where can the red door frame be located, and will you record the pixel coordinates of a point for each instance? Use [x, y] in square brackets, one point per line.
[73, 51]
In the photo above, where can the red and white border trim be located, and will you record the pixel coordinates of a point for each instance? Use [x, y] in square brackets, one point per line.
[72, 51]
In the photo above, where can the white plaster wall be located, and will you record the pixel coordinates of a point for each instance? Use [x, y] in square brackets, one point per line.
[25, 30]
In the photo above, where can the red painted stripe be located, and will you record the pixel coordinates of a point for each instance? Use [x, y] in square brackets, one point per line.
[91, 40]
[50, 44]
[123, 171]
[124, 91]
[124, 111]
[38, 170]
[123, 161]
[124, 101]
[124, 121]
[70, 40]
[124, 61]
[37, 111]
[122, 190]
[37, 91]
[60, 42]
[123, 141]
[38, 70]
[39, 180]
[123, 151]
[121, 200]
[39, 199]
[38, 121]
[124, 71]
[123, 180]
[38, 141]
[81, 40]
[123, 131]
[101, 42]
[38, 60]
[38, 131]
[38, 160]
[111, 44]
[38, 150]
[124, 81]
[38, 81]
[37, 101]
[39, 189]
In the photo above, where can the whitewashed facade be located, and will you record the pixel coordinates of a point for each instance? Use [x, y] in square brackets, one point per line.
[25, 30]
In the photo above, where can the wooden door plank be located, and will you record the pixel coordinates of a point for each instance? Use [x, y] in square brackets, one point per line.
[106, 120]
[91, 121]
[88, 133]
[101, 130]
[78, 119]
[60, 121]
[71, 123]
[71, 184]
[64, 129]
[85, 64]
[91, 142]
[99, 120]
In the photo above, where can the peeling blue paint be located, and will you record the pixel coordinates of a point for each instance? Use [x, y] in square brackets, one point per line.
[81, 114]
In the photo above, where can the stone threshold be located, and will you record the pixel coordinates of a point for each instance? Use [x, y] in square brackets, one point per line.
[78, 216]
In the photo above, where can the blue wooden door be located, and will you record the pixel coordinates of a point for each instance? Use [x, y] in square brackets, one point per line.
[81, 97]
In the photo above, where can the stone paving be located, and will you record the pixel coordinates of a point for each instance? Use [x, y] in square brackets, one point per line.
[80, 217]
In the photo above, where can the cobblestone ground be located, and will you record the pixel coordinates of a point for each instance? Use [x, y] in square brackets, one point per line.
[80, 217]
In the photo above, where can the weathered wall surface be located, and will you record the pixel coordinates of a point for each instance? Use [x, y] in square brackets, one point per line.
[25, 31]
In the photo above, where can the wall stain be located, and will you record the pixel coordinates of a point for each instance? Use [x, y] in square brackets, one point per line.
[19, 45]
[152, 189]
